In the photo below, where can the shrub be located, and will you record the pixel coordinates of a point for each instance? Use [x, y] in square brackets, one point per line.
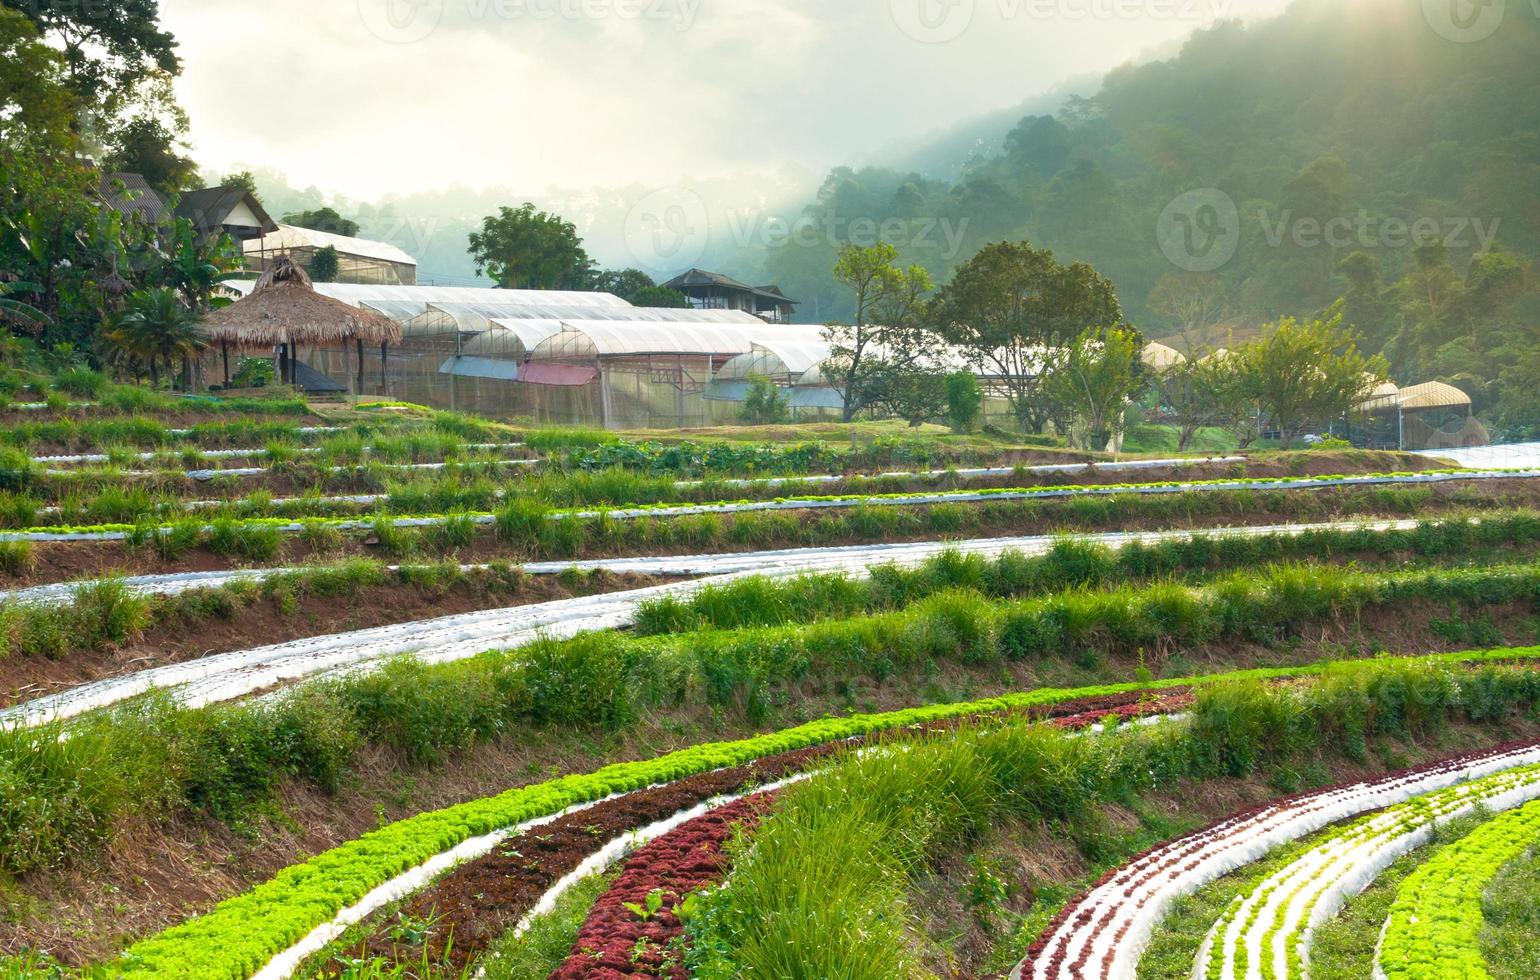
[82, 382]
[964, 401]
[253, 372]
[16, 557]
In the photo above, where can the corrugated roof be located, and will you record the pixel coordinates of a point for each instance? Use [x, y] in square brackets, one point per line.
[419, 298]
[1434, 394]
[288, 237]
[700, 277]
[131, 194]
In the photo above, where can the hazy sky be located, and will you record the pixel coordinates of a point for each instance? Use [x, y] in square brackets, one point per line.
[367, 97]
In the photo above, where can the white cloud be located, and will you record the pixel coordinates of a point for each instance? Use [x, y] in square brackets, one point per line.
[527, 94]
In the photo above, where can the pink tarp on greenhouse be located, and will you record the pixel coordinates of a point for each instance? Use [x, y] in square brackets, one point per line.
[557, 375]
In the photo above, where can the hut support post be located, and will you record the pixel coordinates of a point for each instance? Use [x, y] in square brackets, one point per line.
[384, 361]
[360, 368]
[224, 350]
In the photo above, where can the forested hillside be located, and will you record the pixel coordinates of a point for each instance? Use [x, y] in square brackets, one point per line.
[1352, 150]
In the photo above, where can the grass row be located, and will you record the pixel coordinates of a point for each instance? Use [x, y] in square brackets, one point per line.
[1069, 563]
[105, 613]
[63, 391]
[225, 760]
[243, 933]
[821, 888]
[539, 530]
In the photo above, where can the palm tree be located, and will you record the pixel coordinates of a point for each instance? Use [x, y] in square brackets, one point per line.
[155, 327]
[17, 313]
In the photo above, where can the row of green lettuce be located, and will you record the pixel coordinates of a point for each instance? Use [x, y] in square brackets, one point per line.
[1434, 927]
[242, 934]
[832, 882]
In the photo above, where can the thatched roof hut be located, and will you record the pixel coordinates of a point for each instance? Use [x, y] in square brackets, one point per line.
[285, 309]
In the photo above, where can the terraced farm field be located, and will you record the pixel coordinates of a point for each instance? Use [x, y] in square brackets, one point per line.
[384, 692]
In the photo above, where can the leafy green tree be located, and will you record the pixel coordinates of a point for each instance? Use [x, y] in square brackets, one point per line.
[1197, 392]
[245, 180]
[525, 248]
[964, 401]
[1100, 374]
[887, 336]
[912, 392]
[146, 145]
[110, 49]
[764, 403]
[1012, 308]
[324, 265]
[625, 283]
[323, 219]
[1307, 373]
[35, 102]
[660, 298]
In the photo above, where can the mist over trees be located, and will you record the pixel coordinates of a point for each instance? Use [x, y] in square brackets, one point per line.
[1367, 159]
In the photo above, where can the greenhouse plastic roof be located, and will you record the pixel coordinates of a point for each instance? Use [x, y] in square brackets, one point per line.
[292, 237]
[613, 338]
[424, 296]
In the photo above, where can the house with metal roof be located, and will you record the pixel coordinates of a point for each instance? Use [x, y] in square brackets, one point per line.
[359, 260]
[232, 210]
[714, 291]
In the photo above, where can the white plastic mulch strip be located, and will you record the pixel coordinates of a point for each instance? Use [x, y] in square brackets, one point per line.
[1104, 934]
[902, 500]
[851, 558]
[1522, 455]
[621, 847]
[418, 878]
[233, 675]
[1268, 933]
[1117, 466]
[228, 676]
[145, 457]
[370, 499]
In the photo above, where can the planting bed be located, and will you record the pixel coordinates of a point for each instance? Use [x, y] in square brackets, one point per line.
[655, 604]
[1104, 932]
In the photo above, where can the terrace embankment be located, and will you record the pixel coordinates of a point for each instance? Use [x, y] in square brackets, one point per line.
[51, 562]
[962, 941]
[160, 870]
[264, 619]
[304, 476]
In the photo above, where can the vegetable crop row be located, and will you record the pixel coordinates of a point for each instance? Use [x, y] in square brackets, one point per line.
[1434, 928]
[242, 934]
